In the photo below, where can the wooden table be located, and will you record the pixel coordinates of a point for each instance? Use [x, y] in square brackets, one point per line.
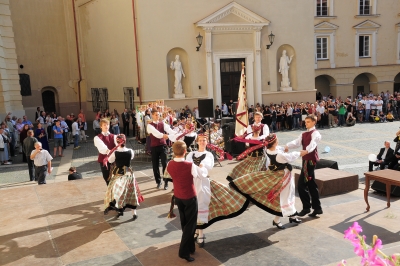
[387, 176]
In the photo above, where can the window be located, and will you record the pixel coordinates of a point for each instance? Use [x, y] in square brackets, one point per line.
[128, 98]
[322, 8]
[99, 99]
[364, 46]
[25, 83]
[322, 48]
[365, 7]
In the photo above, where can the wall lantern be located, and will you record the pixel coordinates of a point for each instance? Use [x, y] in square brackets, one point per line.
[271, 38]
[199, 39]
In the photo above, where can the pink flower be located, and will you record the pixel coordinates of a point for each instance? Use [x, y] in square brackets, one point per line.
[358, 249]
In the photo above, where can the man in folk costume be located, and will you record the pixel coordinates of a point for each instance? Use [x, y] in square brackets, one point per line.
[158, 145]
[257, 126]
[123, 190]
[105, 142]
[183, 173]
[271, 189]
[306, 185]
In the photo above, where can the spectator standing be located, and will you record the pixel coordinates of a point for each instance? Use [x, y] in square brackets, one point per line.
[11, 136]
[75, 133]
[41, 136]
[58, 138]
[225, 111]
[64, 127]
[49, 122]
[125, 121]
[25, 121]
[69, 122]
[96, 126]
[27, 147]
[82, 126]
[42, 160]
[82, 116]
[3, 147]
[38, 112]
[115, 124]
[217, 113]
[134, 126]
[73, 175]
[342, 113]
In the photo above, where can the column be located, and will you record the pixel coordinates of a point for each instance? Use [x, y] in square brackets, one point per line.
[356, 63]
[257, 46]
[374, 48]
[210, 87]
[332, 50]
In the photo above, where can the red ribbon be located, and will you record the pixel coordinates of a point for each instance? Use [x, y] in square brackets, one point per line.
[105, 160]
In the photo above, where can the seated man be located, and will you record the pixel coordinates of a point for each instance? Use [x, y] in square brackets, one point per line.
[382, 117]
[73, 175]
[373, 118]
[351, 120]
[384, 157]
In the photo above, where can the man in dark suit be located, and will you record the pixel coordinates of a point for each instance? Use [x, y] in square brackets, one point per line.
[125, 119]
[384, 157]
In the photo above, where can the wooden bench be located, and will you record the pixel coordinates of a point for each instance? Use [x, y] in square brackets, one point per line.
[387, 176]
[331, 181]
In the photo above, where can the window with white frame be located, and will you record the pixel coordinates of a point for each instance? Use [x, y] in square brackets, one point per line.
[364, 46]
[322, 8]
[365, 7]
[322, 48]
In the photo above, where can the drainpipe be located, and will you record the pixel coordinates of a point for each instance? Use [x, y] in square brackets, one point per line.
[77, 54]
[137, 51]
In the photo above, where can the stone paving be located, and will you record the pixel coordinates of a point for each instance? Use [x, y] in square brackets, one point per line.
[62, 223]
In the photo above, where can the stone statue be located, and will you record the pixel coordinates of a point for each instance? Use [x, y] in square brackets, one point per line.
[177, 66]
[284, 70]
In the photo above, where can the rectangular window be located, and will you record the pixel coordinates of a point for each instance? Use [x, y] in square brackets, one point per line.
[322, 48]
[364, 46]
[99, 99]
[322, 8]
[96, 100]
[365, 7]
[128, 97]
[25, 83]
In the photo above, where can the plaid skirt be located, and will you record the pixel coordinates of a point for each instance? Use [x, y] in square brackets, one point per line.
[247, 166]
[225, 203]
[123, 192]
[257, 185]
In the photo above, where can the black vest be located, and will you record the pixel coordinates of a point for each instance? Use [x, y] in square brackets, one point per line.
[122, 161]
[275, 166]
[197, 160]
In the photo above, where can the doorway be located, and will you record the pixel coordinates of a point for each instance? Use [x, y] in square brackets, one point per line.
[49, 101]
[230, 78]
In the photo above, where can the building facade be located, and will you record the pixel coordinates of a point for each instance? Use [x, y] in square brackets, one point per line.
[357, 46]
[100, 54]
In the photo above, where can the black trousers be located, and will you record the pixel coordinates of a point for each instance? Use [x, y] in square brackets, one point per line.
[133, 129]
[157, 153]
[105, 171]
[308, 188]
[65, 140]
[40, 174]
[381, 165]
[31, 168]
[126, 129]
[188, 215]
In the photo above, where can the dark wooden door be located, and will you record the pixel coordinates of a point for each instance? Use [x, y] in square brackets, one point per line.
[49, 101]
[396, 87]
[230, 79]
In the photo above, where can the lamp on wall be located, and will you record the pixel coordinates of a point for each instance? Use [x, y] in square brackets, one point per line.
[271, 38]
[199, 39]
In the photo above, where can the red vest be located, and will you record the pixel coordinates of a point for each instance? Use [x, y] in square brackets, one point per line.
[181, 173]
[155, 141]
[109, 141]
[305, 141]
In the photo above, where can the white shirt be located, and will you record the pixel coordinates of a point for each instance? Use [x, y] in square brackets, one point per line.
[261, 137]
[152, 130]
[111, 159]
[42, 158]
[384, 154]
[378, 104]
[315, 138]
[75, 128]
[100, 145]
[320, 109]
[289, 111]
[282, 156]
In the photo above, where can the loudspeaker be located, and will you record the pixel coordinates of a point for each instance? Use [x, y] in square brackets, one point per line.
[206, 108]
[234, 109]
[228, 132]
[381, 187]
[327, 164]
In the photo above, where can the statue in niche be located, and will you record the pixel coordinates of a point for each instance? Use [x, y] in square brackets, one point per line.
[177, 66]
[284, 63]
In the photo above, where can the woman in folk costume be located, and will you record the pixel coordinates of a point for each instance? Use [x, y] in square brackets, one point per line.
[215, 201]
[140, 114]
[272, 190]
[256, 159]
[123, 190]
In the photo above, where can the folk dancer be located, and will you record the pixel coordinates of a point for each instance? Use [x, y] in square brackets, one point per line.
[272, 190]
[306, 185]
[104, 143]
[123, 190]
[256, 160]
[157, 130]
